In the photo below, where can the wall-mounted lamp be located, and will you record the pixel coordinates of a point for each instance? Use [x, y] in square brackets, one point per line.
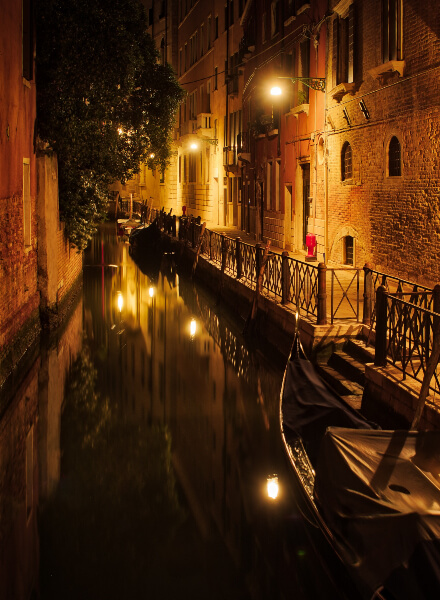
[364, 109]
[314, 83]
[346, 117]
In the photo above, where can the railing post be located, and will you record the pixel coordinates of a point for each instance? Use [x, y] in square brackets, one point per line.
[224, 252]
[285, 277]
[238, 256]
[322, 294]
[257, 261]
[368, 294]
[380, 355]
[210, 244]
[174, 225]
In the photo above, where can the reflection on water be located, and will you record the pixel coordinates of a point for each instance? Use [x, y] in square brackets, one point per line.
[151, 471]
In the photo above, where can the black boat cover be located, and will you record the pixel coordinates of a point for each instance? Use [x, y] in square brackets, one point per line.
[309, 406]
[379, 493]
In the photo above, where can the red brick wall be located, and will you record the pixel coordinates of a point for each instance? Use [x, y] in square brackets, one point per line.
[395, 220]
[19, 297]
[70, 264]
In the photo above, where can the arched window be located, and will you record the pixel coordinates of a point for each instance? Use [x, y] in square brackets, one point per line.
[346, 162]
[394, 158]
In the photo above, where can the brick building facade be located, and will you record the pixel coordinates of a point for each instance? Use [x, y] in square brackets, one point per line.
[382, 137]
[37, 266]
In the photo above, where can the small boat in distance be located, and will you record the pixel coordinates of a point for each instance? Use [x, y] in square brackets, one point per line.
[370, 496]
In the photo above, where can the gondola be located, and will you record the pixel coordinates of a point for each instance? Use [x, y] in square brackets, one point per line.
[370, 497]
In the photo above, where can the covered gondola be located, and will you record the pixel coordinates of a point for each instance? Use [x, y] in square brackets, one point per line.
[373, 495]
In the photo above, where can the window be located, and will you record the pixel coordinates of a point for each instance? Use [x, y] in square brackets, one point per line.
[202, 39]
[27, 202]
[394, 158]
[231, 13]
[28, 40]
[268, 185]
[392, 27]
[277, 184]
[192, 168]
[343, 47]
[304, 69]
[346, 162]
[348, 250]
[208, 32]
[216, 78]
[274, 18]
[216, 28]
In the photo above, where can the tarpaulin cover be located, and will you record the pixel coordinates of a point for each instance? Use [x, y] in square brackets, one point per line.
[309, 406]
[379, 493]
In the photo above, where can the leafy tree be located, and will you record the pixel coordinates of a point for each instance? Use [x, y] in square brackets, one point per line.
[104, 102]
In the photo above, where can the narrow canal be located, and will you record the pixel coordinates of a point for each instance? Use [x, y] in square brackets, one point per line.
[136, 451]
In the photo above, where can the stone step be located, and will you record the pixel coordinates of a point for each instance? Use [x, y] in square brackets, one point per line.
[359, 350]
[349, 367]
[355, 401]
[339, 382]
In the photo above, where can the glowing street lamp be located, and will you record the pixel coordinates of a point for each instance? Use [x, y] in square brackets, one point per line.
[276, 90]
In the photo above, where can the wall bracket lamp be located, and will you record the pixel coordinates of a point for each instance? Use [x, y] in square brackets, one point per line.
[314, 83]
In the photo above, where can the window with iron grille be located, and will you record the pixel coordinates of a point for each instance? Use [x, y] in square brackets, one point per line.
[394, 158]
[346, 162]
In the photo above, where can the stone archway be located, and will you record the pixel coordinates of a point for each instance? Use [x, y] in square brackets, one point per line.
[337, 249]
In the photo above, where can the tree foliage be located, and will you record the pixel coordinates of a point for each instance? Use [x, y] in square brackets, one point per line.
[104, 101]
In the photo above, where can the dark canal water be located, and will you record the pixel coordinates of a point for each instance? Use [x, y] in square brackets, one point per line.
[135, 451]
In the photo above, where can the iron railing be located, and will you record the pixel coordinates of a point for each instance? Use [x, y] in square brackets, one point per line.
[403, 331]
[405, 328]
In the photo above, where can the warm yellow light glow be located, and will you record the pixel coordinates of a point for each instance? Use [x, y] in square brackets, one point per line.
[120, 131]
[151, 291]
[272, 487]
[194, 146]
[192, 327]
[276, 90]
[120, 301]
[152, 155]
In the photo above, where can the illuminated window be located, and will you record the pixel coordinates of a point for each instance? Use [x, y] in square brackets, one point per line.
[394, 158]
[346, 162]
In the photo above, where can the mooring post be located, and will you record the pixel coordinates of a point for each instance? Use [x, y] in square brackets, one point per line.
[285, 277]
[238, 256]
[380, 355]
[322, 295]
[368, 294]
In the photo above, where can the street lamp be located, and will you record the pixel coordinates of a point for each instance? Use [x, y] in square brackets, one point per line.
[314, 83]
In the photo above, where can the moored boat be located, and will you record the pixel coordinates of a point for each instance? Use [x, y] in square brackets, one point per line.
[373, 495]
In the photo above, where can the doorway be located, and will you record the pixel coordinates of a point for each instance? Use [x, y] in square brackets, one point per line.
[305, 168]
